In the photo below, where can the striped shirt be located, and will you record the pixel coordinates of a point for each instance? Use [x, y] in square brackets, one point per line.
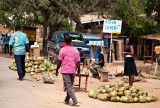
[19, 40]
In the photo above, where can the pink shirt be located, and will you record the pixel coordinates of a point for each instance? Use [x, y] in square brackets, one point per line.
[69, 56]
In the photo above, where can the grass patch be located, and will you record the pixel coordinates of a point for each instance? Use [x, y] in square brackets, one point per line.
[158, 74]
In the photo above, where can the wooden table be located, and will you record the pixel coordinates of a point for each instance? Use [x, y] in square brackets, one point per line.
[86, 81]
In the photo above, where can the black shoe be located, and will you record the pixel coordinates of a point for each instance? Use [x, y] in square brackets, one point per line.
[20, 79]
[23, 76]
[67, 103]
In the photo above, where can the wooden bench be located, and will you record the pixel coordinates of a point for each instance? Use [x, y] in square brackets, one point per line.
[103, 74]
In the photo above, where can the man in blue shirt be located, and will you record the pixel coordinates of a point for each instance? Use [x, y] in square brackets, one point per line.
[20, 43]
[6, 43]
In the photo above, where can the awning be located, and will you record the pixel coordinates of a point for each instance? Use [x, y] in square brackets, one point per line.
[151, 37]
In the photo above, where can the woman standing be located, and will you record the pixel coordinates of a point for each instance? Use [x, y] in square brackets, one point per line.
[129, 67]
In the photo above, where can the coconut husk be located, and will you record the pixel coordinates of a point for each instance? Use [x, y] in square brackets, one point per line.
[144, 75]
[136, 79]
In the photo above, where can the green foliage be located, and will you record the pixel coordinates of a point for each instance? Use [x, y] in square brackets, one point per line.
[158, 74]
[153, 9]
[132, 13]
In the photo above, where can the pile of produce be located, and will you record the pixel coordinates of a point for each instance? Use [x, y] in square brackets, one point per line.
[34, 64]
[85, 71]
[120, 92]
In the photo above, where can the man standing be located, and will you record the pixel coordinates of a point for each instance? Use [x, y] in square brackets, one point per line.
[2, 42]
[157, 53]
[20, 43]
[98, 64]
[69, 58]
[6, 44]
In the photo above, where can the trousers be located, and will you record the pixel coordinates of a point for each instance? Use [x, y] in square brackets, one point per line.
[6, 47]
[19, 59]
[93, 69]
[68, 80]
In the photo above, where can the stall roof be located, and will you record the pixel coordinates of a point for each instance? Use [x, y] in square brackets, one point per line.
[151, 37]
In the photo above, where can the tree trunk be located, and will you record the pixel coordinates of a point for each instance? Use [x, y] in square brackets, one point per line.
[51, 31]
[79, 25]
[44, 39]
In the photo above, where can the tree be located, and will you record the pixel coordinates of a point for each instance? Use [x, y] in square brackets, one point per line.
[132, 13]
[153, 9]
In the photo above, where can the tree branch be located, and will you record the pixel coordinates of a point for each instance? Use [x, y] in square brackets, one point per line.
[93, 6]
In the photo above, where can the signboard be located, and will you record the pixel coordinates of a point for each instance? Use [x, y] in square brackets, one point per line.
[112, 26]
[30, 32]
[31, 35]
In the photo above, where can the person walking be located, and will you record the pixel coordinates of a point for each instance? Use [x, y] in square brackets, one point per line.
[20, 43]
[69, 59]
[157, 53]
[64, 44]
[6, 44]
[98, 64]
[129, 66]
[2, 42]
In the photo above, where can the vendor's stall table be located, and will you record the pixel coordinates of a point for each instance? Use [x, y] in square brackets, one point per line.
[86, 81]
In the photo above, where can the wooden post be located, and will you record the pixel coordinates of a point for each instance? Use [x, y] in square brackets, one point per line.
[144, 53]
[120, 50]
[152, 52]
[92, 51]
[113, 54]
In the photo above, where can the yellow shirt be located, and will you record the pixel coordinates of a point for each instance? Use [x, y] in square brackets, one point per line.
[157, 50]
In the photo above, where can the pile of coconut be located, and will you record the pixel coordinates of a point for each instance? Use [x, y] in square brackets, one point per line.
[120, 92]
[34, 64]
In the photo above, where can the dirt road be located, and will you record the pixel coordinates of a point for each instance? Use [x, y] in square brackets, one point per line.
[32, 94]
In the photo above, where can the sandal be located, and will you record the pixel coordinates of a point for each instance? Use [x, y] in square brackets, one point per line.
[75, 104]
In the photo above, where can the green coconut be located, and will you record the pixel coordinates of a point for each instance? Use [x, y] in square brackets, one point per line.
[131, 99]
[26, 64]
[122, 89]
[29, 65]
[125, 99]
[102, 87]
[36, 66]
[142, 99]
[135, 99]
[107, 86]
[102, 97]
[120, 93]
[95, 95]
[32, 70]
[121, 99]
[149, 99]
[36, 70]
[121, 84]
[109, 90]
[103, 91]
[134, 95]
[115, 99]
[112, 85]
[112, 94]
[127, 92]
[128, 95]
[42, 69]
[153, 97]
[140, 93]
[126, 86]
[133, 90]
[91, 93]
[99, 90]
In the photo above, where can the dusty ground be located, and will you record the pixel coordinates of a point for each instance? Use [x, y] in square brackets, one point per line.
[35, 94]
